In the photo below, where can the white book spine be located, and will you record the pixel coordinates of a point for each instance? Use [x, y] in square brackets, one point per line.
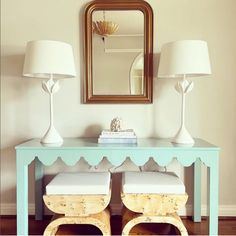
[117, 136]
[122, 133]
[117, 140]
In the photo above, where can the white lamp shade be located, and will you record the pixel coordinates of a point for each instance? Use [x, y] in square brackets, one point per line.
[185, 57]
[44, 58]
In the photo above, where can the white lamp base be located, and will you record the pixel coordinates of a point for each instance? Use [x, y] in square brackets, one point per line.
[183, 137]
[52, 136]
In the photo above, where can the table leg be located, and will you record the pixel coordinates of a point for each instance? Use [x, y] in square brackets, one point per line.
[22, 197]
[38, 190]
[197, 191]
[213, 192]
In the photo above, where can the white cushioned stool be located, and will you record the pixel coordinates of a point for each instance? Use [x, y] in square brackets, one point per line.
[152, 197]
[81, 198]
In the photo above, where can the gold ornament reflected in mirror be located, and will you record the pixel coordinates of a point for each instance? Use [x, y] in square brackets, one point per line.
[104, 28]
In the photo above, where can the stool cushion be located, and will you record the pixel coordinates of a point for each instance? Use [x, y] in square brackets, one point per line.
[152, 182]
[80, 183]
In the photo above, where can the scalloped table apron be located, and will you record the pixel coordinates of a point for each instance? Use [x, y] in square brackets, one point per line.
[70, 152]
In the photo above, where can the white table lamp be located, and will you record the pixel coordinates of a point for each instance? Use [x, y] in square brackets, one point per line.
[185, 58]
[51, 60]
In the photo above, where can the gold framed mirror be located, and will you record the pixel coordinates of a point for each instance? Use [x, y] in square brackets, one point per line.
[118, 52]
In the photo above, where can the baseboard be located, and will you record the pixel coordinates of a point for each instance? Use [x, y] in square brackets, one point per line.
[224, 210]
[116, 208]
[10, 209]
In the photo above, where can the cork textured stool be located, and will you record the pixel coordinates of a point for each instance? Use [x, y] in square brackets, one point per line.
[79, 198]
[152, 197]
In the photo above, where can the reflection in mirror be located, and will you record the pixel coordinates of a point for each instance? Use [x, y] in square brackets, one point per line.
[118, 51]
[136, 75]
[114, 53]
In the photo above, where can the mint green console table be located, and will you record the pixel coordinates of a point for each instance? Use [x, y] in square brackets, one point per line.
[162, 151]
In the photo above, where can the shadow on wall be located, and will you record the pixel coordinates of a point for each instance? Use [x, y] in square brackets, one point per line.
[15, 90]
[12, 65]
[92, 131]
[156, 60]
[8, 162]
[11, 72]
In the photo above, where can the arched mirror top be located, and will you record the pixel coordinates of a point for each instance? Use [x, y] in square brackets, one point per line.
[118, 35]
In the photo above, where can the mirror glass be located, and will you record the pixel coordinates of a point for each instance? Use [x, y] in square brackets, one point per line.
[118, 52]
[118, 57]
[136, 75]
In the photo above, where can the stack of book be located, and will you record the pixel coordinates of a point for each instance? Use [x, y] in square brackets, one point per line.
[123, 136]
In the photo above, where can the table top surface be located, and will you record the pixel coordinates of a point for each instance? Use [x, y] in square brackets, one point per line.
[91, 143]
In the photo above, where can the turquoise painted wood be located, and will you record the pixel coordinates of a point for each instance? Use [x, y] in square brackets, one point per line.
[70, 152]
[22, 195]
[213, 190]
[197, 191]
[38, 189]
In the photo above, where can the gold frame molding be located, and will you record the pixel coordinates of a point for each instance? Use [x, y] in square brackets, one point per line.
[141, 5]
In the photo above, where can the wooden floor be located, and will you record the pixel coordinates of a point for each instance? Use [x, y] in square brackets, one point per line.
[227, 226]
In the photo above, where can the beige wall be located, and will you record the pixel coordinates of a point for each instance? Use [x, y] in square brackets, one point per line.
[211, 106]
